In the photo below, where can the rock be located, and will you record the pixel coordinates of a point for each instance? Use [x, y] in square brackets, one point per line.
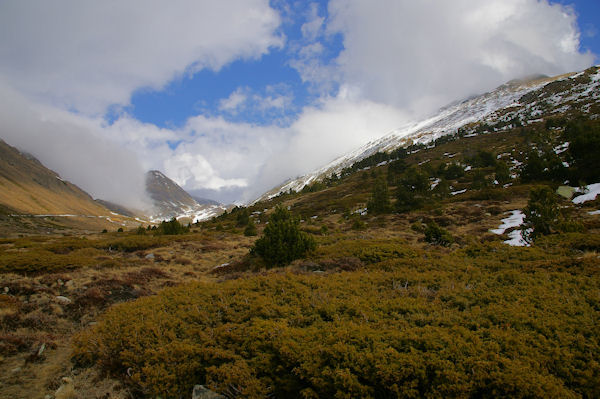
[63, 300]
[41, 350]
[201, 392]
[150, 256]
[6, 289]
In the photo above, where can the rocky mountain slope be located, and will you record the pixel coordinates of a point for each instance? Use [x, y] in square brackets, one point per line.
[517, 102]
[170, 200]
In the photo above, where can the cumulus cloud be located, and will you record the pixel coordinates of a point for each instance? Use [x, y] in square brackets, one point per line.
[336, 126]
[235, 100]
[272, 104]
[74, 146]
[424, 54]
[88, 55]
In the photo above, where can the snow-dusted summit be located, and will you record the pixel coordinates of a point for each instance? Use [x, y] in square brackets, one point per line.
[170, 200]
[526, 100]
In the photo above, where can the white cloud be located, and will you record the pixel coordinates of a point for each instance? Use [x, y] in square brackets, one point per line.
[74, 146]
[194, 171]
[275, 99]
[88, 55]
[424, 54]
[235, 100]
[314, 24]
[337, 126]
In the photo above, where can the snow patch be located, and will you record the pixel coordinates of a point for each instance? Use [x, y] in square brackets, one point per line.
[516, 239]
[515, 219]
[591, 192]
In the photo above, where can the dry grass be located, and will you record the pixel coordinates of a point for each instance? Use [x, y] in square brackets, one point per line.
[31, 315]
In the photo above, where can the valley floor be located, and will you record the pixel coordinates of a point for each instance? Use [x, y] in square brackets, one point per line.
[44, 307]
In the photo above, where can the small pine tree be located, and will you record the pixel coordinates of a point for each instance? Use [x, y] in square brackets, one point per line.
[436, 235]
[406, 200]
[282, 240]
[242, 218]
[412, 190]
[442, 190]
[380, 199]
[250, 229]
[454, 171]
[480, 180]
[502, 172]
[542, 214]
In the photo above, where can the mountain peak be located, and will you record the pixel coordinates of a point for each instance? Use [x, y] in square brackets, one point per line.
[170, 200]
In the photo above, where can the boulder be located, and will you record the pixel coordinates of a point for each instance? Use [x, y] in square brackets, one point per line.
[201, 392]
[63, 300]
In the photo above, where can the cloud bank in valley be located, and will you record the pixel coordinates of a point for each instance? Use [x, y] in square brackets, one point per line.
[399, 60]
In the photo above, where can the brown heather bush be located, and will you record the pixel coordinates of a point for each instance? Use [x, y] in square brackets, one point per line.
[12, 343]
[487, 320]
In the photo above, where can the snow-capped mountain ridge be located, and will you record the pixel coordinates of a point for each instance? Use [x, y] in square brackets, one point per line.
[515, 99]
[170, 201]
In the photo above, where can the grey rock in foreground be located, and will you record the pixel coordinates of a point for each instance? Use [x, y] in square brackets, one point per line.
[200, 392]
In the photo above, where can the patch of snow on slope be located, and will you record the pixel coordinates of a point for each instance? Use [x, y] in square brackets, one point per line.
[515, 219]
[591, 192]
[516, 239]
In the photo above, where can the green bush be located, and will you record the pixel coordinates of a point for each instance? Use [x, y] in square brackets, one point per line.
[454, 171]
[282, 241]
[250, 229]
[242, 217]
[434, 234]
[380, 198]
[172, 227]
[412, 190]
[542, 214]
[584, 147]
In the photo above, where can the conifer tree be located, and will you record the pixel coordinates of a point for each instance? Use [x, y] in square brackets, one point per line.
[282, 240]
[542, 214]
[380, 198]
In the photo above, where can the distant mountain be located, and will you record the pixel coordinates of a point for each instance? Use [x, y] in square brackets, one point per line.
[205, 201]
[30, 191]
[518, 101]
[170, 200]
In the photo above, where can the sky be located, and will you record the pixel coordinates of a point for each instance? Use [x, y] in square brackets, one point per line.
[230, 98]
